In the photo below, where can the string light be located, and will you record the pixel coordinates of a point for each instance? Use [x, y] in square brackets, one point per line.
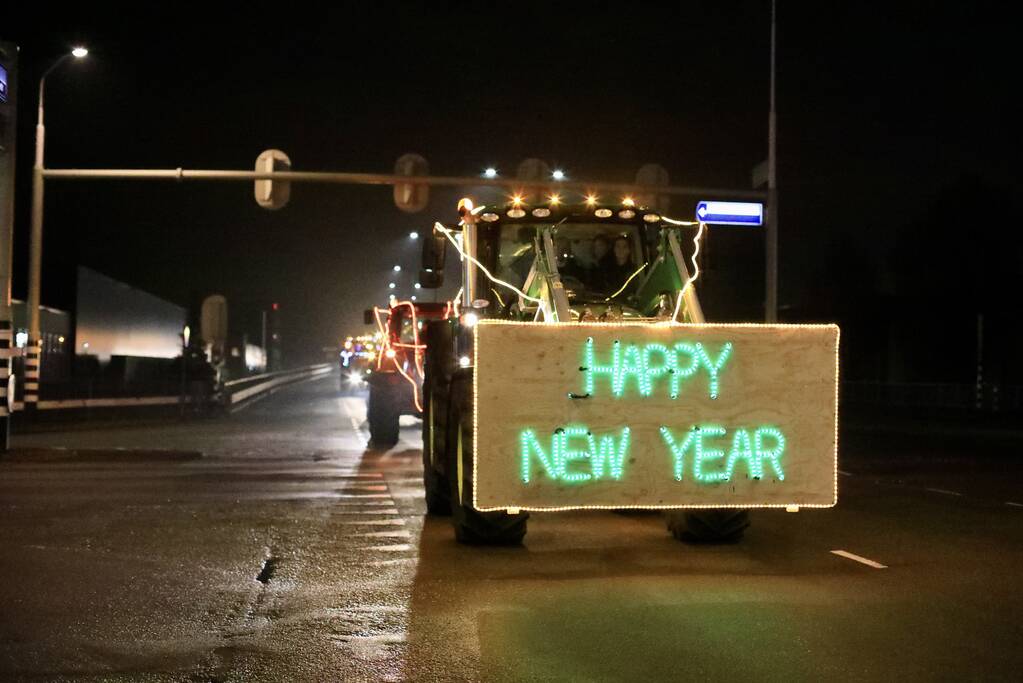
[713, 367]
[741, 449]
[605, 457]
[692, 278]
[634, 361]
[631, 277]
[495, 280]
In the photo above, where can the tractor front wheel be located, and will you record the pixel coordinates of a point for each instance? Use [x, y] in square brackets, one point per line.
[708, 526]
[473, 527]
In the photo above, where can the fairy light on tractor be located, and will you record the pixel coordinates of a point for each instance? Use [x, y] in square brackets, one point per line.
[395, 387]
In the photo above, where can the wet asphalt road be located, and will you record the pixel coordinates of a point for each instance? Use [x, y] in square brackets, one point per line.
[290, 552]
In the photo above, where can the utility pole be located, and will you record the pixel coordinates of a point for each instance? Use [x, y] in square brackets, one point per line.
[771, 294]
[8, 134]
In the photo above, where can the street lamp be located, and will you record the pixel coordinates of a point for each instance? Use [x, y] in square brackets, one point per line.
[413, 235]
[33, 354]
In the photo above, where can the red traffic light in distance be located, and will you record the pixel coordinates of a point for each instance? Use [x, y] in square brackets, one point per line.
[275, 306]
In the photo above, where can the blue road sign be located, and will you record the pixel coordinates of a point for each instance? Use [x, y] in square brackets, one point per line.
[731, 213]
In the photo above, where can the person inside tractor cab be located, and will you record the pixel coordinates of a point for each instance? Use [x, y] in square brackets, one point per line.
[568, 265]
[621, 265]
[596, 276]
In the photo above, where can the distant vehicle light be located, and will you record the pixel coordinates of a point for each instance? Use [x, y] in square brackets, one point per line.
[417, 286]
[79, 52]
[397, 269]
[464, 361]
[558, 174]
[413, 297]
[391, 285]
[490, 173]
[413, 235]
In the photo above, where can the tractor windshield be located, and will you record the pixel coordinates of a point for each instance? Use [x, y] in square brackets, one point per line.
[596, 261]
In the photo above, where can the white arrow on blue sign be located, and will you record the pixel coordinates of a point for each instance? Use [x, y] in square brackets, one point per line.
[731, 213]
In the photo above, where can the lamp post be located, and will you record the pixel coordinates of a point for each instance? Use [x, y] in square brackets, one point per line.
[33, 353]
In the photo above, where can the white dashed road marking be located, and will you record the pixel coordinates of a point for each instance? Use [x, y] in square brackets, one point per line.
[856, 558]
[377, 522]
[945, 492]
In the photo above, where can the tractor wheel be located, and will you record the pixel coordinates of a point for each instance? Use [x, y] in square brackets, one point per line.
[383, 412]
[435, 482]
[439, 365]
[708, 526]
[473, 527]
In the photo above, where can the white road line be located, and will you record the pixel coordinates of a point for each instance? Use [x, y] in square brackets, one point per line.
[383, 638]
[392, 511]
[1015, 505]
[376, 522]
[363, 496]
[856, 558]
[367, 487]
[388, 563]
[944, 491]
[371, 609]
[844, 473]
[385, 534]
[367, 503]
[398, 548]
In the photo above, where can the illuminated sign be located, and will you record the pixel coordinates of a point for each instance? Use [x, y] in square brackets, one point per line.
[652, 415]
[731, 213]
[3, 84]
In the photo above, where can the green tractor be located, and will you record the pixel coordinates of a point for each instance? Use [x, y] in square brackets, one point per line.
[574, 263]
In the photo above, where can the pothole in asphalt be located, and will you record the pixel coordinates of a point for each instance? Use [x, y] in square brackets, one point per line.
[267, 572]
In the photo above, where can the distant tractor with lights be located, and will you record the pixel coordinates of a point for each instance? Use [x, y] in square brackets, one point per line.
[395, 375]
[574, 370]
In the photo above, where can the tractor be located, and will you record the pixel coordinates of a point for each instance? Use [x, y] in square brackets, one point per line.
[545, 262]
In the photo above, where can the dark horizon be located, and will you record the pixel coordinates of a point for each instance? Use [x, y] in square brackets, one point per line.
[880, 123]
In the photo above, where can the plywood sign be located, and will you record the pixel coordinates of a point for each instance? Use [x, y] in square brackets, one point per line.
[654, 416]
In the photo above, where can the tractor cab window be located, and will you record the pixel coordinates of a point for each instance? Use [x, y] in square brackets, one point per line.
[595, 261]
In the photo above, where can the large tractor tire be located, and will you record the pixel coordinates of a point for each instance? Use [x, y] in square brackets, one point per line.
[708, 526]
[439, 366]
[383, 410]
[471, 526]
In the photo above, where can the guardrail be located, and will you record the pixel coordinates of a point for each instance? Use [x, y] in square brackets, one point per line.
[236, 392]
[241, 390]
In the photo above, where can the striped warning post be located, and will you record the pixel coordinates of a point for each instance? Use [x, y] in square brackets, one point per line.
[32, 355]
[6, 347]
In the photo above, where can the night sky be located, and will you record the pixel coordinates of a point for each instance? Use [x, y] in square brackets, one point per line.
[888, 118]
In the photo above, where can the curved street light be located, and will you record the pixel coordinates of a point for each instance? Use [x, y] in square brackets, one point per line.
[33, 353]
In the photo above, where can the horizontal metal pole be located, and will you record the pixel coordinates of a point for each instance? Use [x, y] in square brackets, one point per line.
[385, 179]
